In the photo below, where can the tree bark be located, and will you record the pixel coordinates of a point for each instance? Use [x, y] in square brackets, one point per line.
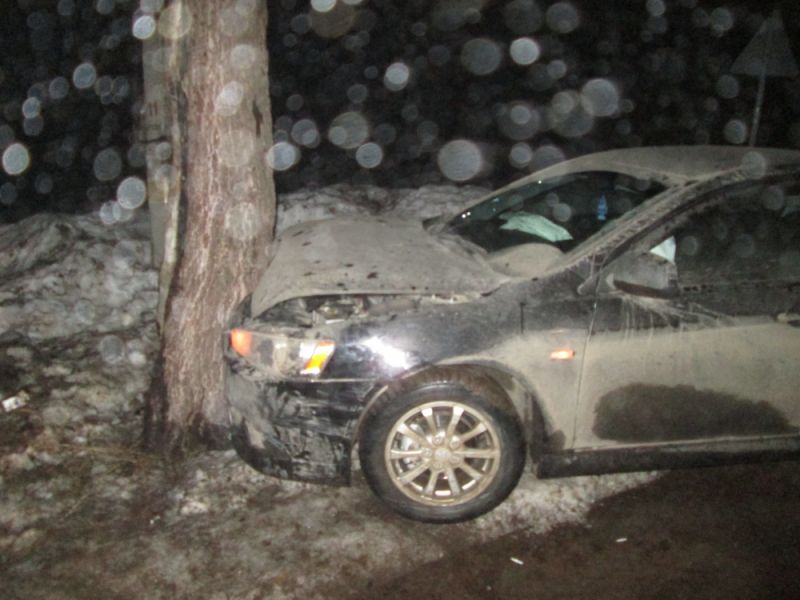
[227, 208]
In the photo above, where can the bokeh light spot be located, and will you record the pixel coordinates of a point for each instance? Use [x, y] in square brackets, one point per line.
[107, 164]
[144, 26]
[334, 22]
[357, 93]
[58, 88]
[323, 6]
[460, 160]
[31, 108]
[600, 97]
[522, 16]
[656, 8]
[520, 155]
[229, 99]
[348, 130]
[481, 56]
[283, 156]
[735, 131]
[396, 76]
[562, 17]
[545, 156]
[84, 76]
[16, 159]
[131, 193]
[306, 133]
[727, 87]
[175, 21]
[519, 121]
[524, 51]
[8, 193]
[721, 20]
[369, 155]
[43, 184]
[111, 349]
[754, 165]
[243, 57]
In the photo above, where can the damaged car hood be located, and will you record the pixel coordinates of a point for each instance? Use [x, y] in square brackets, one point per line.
[370, 256]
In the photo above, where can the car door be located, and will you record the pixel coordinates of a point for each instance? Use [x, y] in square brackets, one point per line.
[715, 357]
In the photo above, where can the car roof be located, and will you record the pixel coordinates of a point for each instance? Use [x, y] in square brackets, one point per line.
[672, 165]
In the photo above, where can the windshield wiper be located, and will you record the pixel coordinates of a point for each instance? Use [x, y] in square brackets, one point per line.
[431, 222]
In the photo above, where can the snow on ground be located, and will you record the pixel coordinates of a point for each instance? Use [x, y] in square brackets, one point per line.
[84, 513]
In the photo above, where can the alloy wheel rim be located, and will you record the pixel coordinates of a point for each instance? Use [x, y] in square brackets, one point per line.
[442, 453]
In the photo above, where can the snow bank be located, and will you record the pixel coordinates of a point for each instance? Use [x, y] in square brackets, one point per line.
[76, 318]
[344, 200]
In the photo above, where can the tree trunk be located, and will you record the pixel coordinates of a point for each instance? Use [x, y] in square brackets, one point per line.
[227, 208]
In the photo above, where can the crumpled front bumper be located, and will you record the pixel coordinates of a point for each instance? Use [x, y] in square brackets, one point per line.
[301, 431]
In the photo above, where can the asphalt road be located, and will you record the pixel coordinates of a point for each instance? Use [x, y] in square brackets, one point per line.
[730, 532]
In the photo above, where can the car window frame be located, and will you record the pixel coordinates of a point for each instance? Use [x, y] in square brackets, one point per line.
[643, 241]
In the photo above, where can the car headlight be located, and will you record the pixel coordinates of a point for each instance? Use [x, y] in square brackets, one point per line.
[281, 355]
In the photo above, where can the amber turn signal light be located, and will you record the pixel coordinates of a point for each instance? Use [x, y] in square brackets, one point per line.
[241, 341]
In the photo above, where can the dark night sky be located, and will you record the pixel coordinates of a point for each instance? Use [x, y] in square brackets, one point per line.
[522, 82]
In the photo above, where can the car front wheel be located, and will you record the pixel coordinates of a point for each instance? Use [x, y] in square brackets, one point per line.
[445, 447]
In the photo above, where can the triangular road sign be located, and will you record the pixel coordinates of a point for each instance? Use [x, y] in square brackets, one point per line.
[769, 53]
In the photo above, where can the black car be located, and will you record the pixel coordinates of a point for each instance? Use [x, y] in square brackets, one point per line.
[627, 310]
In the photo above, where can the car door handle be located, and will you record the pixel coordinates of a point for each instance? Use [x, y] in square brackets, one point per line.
[787, 318]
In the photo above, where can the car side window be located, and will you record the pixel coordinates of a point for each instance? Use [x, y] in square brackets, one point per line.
[752, 234]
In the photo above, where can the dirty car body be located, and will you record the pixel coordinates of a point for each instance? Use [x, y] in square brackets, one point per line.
[625, 310]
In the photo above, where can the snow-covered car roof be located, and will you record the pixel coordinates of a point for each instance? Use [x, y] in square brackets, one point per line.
[670, 165]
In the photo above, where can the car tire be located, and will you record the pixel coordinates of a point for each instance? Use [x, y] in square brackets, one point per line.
[444, 447]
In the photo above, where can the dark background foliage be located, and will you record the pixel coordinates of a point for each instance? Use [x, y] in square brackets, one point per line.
[661, 74]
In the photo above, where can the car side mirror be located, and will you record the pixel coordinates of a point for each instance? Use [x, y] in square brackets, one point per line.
[642, 275]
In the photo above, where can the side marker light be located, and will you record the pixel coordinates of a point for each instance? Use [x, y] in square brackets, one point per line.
[319, 357]
[562, 354]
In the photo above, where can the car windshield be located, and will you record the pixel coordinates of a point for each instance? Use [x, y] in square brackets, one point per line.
[560, 211]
